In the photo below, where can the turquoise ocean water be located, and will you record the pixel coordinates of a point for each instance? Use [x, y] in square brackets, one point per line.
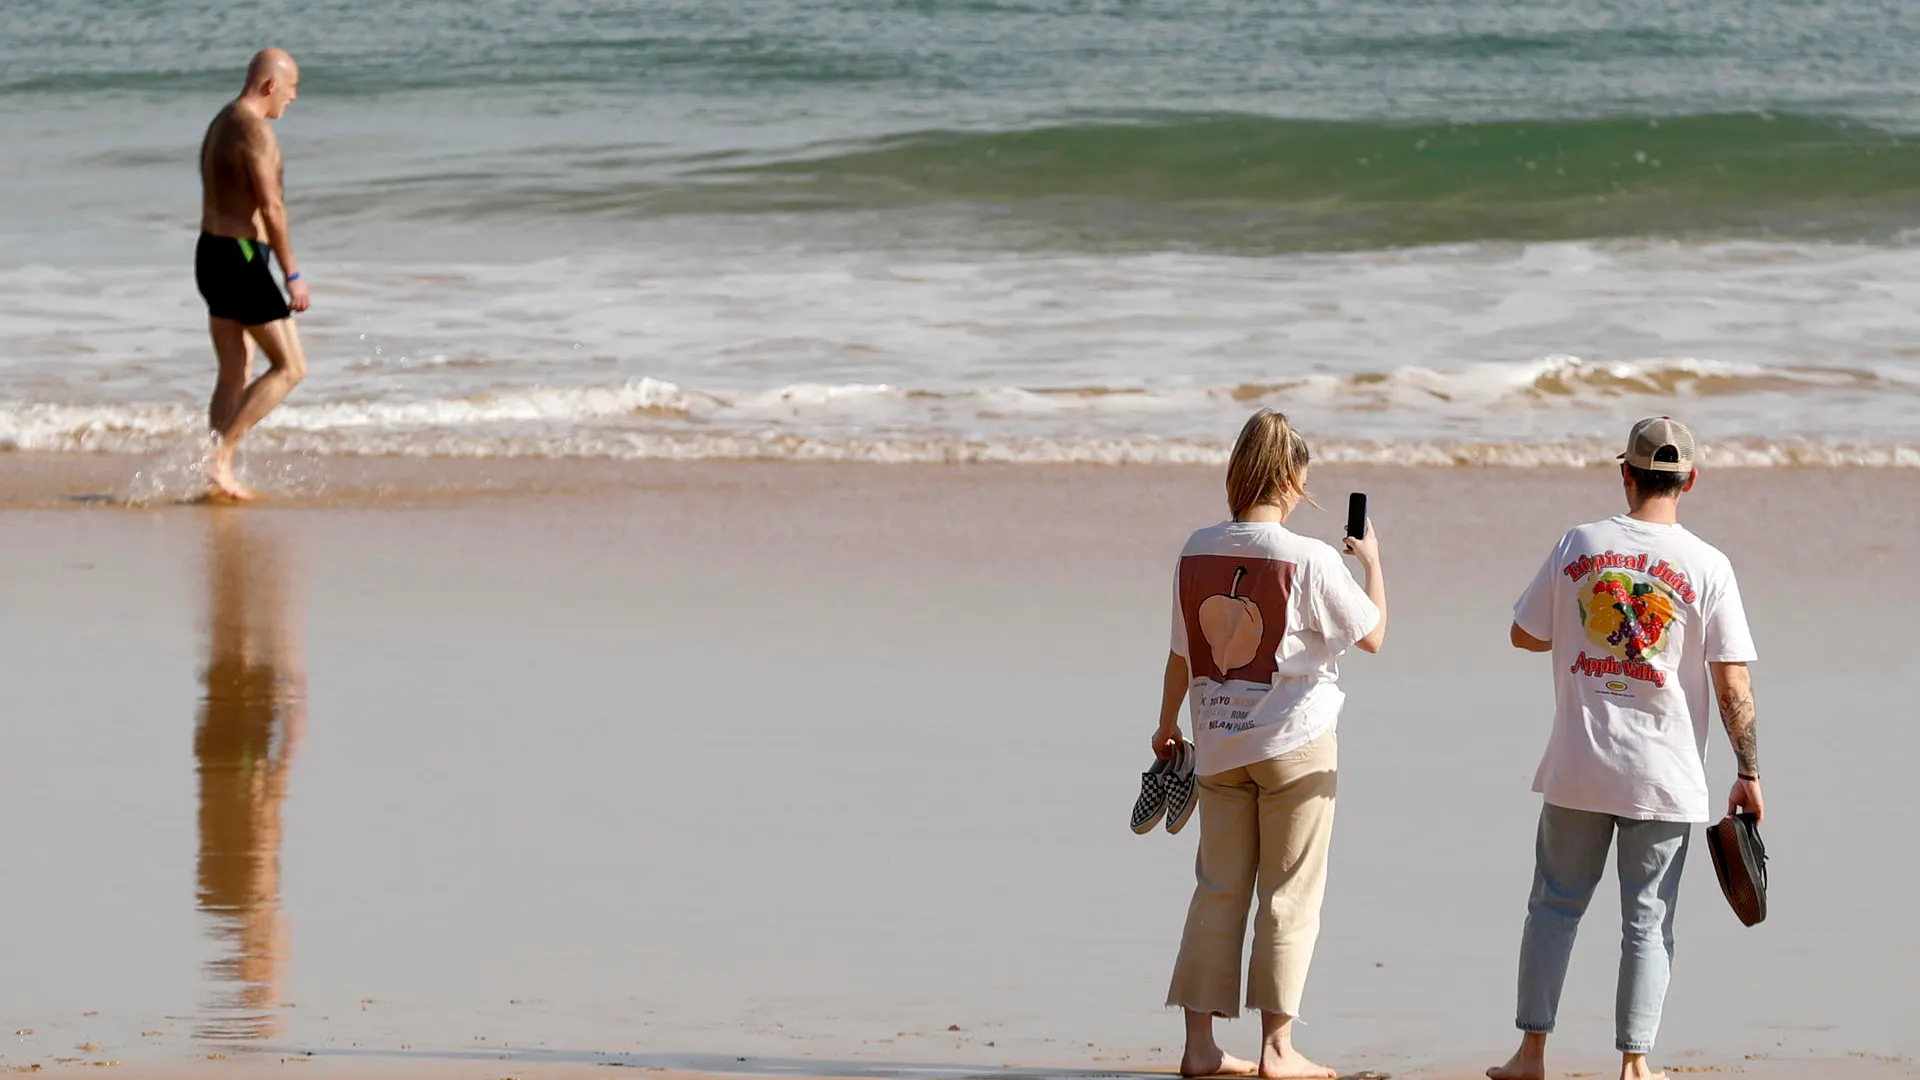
[1438, 232]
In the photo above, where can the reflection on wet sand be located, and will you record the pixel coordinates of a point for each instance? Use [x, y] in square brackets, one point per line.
[251, 714]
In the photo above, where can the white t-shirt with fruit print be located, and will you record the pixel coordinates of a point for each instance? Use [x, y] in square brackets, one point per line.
[1636, 611]
[1262, 616]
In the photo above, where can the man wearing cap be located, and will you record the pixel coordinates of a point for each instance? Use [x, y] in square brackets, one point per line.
[1646, 629]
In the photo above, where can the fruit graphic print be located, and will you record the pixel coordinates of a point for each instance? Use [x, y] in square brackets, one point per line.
[1631, 605]
[1232, 625]
[1236, 613]
[1628, 615]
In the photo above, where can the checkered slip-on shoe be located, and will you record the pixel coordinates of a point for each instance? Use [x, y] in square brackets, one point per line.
[1153, 795]
[1183, 788]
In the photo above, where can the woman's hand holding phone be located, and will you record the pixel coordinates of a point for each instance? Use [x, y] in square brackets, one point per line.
[1366, 549]
[1360, 542]
[1364, 545]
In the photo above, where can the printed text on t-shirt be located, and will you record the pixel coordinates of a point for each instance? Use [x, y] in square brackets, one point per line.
[1609, 560]
[1609, 665]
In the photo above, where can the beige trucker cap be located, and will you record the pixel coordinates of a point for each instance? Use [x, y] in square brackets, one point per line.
[1657, 433]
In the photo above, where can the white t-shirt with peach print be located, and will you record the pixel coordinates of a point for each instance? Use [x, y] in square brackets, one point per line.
[1262, 615]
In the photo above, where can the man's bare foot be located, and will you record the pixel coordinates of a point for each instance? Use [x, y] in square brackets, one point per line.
[1634, 1067]
[230, 491]
[1522, 1067]
[1215, 1063]
[1529, 1062]
[221, 480]
[1290, 1064]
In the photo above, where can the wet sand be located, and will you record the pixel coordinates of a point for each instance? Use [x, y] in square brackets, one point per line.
[268, 1067]
[497, 767]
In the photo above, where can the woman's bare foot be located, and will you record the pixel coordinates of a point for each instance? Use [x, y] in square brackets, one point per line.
[1214, 1063]
[1278, 1059]
[1290, 1064]
[1203, 1056]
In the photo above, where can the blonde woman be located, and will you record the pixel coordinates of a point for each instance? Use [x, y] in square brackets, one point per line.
[1261, 616]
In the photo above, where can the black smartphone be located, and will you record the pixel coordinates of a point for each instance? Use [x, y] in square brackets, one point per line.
[1357, 515]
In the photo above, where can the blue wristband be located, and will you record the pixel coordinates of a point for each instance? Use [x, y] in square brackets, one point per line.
[293, 277]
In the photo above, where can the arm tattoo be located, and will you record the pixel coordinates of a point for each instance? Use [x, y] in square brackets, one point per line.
[1736, 712]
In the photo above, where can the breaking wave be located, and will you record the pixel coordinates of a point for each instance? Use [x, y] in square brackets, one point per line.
[1409, 416]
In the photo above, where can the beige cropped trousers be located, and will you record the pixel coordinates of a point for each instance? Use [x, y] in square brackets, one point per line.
[1264, 834]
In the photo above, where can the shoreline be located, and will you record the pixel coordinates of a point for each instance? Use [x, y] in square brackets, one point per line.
[48, 479]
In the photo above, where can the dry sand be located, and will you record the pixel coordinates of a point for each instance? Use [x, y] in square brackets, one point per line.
[672, 765]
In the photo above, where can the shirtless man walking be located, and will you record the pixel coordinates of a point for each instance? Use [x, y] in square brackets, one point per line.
[243, 220]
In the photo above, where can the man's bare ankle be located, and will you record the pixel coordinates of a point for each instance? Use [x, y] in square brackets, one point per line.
[1635, 1067]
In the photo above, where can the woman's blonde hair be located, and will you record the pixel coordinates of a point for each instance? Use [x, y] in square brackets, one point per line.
[1269, 462]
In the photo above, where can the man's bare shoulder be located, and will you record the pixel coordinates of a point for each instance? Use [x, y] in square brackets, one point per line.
[236, 131]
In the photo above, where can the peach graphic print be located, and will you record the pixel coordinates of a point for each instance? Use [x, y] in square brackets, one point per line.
[1236, 613]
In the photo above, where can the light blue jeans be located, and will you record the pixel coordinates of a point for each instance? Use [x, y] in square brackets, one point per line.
[1569, 856]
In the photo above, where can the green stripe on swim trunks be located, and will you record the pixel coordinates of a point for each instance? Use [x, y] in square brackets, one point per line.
[246, 248]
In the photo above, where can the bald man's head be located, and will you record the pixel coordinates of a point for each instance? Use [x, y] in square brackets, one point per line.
[273, 79]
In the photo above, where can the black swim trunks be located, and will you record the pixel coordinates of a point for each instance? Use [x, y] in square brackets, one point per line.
[236, 282]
